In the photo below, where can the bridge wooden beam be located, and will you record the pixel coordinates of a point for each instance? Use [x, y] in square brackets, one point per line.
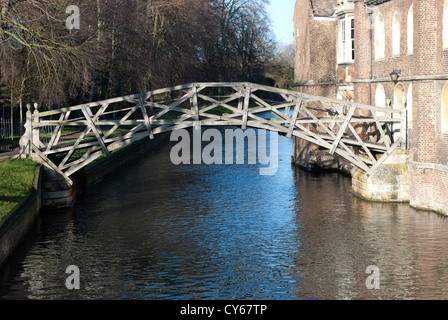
[195, 108]
[51, 164]
[246, 107]
[145, 117]
[342, 129]
[95, 131]
[383, 158]
[58, 130]
[295, 114]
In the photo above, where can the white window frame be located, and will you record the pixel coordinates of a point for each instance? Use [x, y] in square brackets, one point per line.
[346, 39]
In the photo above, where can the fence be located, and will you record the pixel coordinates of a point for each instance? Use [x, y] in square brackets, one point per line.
[10, 133]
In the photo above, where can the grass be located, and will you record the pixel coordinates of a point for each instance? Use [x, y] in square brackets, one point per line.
[16, 180]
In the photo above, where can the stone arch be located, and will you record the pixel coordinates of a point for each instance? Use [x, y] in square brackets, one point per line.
[399, 103]
[380, 96]
[399, 96]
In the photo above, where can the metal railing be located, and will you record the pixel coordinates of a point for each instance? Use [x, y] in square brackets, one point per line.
[10, 133]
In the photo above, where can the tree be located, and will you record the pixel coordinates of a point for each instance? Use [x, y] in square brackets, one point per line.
[47, 62]
[241, 41]
[281, 68]
[127, 46]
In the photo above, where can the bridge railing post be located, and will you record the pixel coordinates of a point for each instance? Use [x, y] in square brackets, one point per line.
[35, 130]
[195, 106]
[404, 129]
[27, 138]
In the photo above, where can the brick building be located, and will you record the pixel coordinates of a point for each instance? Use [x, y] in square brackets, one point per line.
[349, 49]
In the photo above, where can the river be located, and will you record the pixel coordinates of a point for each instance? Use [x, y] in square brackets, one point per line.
[159, 231]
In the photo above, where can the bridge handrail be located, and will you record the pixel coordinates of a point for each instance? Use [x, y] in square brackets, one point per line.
[147, 94]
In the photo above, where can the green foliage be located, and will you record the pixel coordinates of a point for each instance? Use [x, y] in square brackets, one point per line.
[281, 69]
[16, 180]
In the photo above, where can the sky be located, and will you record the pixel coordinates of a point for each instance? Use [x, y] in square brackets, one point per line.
[281, 13]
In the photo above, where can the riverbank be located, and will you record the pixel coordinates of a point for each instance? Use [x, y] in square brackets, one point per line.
[16, 223]
[16, 181]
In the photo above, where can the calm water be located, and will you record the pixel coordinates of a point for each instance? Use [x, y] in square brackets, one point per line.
[155, 230]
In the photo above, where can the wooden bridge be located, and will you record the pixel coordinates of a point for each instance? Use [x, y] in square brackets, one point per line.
[364, 135]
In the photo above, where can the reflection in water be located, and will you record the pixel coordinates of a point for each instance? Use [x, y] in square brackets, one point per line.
[159, 231]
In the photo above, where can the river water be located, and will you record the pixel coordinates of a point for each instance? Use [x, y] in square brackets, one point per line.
[154, 230]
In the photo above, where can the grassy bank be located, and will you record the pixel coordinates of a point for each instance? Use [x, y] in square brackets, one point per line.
[16, 179]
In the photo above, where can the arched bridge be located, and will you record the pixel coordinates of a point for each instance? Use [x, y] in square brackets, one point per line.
[70, 138]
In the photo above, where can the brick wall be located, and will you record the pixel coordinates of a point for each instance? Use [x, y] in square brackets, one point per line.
[428, 145]
[302, 16]
[323, 50]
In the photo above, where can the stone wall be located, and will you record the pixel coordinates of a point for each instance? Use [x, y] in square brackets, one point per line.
[389, 183]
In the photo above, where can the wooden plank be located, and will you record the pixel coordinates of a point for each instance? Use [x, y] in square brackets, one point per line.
[254, 110]
[295, 114]
[246, 107]
[95, 131]
[51, 164]
[146, 118]
[57, 131]
[122, 121]
[379, 127]
[78, 141]
[195, 107]
[84, 163]
[86, 156]
[173, 106]
[347, 154]
[342, 129]
[95, 119]
[404, 128]
[362, 143]
[325, 128]
[382, 159]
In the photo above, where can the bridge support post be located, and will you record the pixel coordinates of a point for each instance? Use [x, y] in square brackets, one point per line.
[404, 128]
[36, 131]
[27, 138]
[388, 183]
